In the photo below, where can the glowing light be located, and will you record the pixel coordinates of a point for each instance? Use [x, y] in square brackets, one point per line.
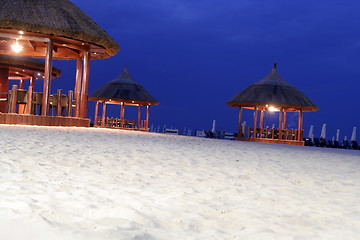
[17, 47]
[21, 32]
[272, 109]
[39, 74]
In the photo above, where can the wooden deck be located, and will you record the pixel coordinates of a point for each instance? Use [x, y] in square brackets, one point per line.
[269, 140]
[24, 119]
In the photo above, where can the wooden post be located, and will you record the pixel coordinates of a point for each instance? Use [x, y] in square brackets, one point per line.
[284, 127]
[84, 87]
[70, 103]
[47, 78]
[261, 122]
[30, 100]
[32, 82]
[58, 107]
[147, 117]
[122, 114]
[239, 125]
[78, 87]
[21, 85]
[103, 115]
[139, 112]
[4, 87]
[300, 125]
[255, 121]
[96, 112]
[13, 99]
[280, 123]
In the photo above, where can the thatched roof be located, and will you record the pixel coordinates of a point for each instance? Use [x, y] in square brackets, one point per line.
[123, 89]
[26, 64]
[275, 91]
[54, 17]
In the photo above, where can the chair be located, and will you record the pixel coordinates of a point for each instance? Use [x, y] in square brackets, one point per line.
[54, 102]
[37, 101]
[345, 144]
[316, 142]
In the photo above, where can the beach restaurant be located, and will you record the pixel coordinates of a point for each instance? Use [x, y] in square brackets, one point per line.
[272, 94]
[52, 30]
[123, 91]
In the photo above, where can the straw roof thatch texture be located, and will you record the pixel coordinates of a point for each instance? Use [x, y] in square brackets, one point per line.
[123, 89]
[275, 91]
[56, 17]
[26, 63]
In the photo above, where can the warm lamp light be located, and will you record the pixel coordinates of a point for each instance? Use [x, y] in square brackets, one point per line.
[272, 109]
[17, 47]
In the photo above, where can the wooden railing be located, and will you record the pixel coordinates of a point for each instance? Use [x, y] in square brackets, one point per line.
[118, 123]
[272, 133]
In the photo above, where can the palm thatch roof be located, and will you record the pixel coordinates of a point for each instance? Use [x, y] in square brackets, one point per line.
[123, 89]
[275, 91]
[26, 63]
[59, 18]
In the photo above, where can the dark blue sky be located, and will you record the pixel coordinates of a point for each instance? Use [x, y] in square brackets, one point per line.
[193, 56]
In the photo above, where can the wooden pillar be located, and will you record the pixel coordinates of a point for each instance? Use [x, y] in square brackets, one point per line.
[103, 115]
[13, 99]
[96, 112]
[138, 122]
[84, 87]
[47, 79]
[29, 105]
[280, 123]
[70, 103]
[261, 123]
[21, 85]
[58, 107]
[300, 125]
[78, 87]
[239, 125]
[147, 117]
[122, 114]
[32, 84]
[284, 125]
[255, 121]
[4, 87]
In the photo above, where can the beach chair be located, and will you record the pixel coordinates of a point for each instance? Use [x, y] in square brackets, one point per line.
[323, 142]
[345, 144]
[316, 142]
[354, 145]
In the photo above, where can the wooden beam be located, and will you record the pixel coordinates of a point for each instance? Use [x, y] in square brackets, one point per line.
[4, 87]
[239, 125]
[300, 125]
[147, 117]
[122, 114]
[139, 112]
[255, 121]
[261, 122]
[78, 87]
[103, 115]
[280, 123]
[47, 79]
[13, 99]
[84, 87]
[285, 113]
[96, 113]
[33, 45]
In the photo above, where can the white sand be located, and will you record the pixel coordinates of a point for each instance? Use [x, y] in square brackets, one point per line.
[77, 183]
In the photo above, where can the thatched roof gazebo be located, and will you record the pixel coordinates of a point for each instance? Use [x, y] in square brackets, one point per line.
[272, 93]
[54, 30]
[123, 90]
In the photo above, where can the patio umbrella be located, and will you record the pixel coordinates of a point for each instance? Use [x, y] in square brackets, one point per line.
[323, 131]
[311, 134]
[353, 135]
[213, 127]
[337, 134]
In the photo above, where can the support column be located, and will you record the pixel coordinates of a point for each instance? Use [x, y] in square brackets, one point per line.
[255, 121]
[138, 122]
[147, 117]
[84, 87]
[78, 87]
[96, 112]
[284, 125]
[261, 123]
[300, 125]
[122, 114]
[21, 85]
[280, 123]
[32, 84]
[103, 115]
[4, 87]
[239, 125]
[47, 78]
[29, 105]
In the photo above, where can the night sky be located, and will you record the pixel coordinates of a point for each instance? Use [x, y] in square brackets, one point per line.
[193, 56]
